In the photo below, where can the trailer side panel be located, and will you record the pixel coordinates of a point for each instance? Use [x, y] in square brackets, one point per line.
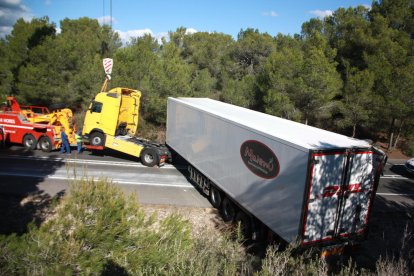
[265, 176]
[296, 179]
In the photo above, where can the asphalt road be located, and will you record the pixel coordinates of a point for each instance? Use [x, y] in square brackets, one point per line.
[396, 184]
[23, 172]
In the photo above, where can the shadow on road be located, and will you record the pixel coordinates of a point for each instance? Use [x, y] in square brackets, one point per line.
[390, 234]
[112, 153]
[21, 200]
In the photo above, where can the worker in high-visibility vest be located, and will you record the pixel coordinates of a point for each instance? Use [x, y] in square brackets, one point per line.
[78, 137]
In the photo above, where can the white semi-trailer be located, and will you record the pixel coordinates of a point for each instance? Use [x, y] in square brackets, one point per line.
[274, 175]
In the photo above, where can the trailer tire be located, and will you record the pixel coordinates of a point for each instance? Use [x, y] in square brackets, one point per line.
[149, 157]
[245, 224]
[228, 210]
[97, 139]
[215, 197]
[29, 142]
[45, 144]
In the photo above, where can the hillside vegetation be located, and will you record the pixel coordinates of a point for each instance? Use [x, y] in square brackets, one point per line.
[351, 72]
[96, 229]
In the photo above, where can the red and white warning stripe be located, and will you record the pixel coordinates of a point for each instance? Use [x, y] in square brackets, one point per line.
[108, 64]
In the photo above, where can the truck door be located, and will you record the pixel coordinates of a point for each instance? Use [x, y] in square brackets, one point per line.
[341, 185]
[93, 117]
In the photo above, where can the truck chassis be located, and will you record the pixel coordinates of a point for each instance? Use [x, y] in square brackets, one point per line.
[150, 153]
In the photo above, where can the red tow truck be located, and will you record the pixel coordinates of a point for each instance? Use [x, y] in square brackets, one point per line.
[16, 128]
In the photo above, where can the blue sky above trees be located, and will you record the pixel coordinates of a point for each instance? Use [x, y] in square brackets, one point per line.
[135, 18]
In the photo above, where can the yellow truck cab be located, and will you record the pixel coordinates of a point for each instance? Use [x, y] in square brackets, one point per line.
[112, 122]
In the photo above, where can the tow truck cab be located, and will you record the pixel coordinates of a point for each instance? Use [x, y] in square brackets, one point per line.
[112, 122]
[113, 113]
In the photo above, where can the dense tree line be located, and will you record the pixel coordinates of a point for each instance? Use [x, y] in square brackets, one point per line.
[352, 72]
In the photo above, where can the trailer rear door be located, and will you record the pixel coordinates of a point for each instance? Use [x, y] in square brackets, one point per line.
[356, 194]
[339, 193]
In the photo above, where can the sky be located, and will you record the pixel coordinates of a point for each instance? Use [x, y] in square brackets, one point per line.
[132, 18]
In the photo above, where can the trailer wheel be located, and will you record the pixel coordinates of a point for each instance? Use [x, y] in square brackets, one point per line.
[97, 139]
[215, 197]
[149, 157]
[228, 210]
[29, 142]
[244, 221]
[45, 144]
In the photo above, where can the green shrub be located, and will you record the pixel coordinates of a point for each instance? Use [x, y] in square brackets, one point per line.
[408, 146]
[94, 225]
[97, 228]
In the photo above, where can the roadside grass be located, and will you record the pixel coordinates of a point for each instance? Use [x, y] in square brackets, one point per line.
[97, 229]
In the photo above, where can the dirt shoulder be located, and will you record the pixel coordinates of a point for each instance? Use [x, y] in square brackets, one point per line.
[201, 219]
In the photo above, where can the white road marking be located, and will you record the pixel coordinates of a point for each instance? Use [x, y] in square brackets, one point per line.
[394, 176]
[119, 181]
[154, 184]
[87, 161]
[390, 194]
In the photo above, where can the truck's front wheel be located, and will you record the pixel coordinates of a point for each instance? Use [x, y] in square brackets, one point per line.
[149, 157]
[97, 139]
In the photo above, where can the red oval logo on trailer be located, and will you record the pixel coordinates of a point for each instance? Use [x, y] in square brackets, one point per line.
[259, 159]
